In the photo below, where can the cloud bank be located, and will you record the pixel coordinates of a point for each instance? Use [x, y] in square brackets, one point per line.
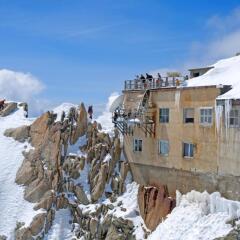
[224, 40]
[23, 87]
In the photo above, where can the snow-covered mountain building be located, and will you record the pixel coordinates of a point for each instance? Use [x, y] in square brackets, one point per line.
[184, 133]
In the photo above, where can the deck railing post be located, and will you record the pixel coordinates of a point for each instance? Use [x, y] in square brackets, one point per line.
[153, 83]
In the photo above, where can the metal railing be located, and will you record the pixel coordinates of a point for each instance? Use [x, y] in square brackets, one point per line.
[125, 120]
[154, 83]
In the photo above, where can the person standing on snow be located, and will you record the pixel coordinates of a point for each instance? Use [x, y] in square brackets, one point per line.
[90, 111]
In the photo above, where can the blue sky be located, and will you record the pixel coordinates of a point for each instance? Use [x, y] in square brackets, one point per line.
[84, 50]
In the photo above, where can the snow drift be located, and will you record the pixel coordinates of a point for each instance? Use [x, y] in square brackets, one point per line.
[225, 72]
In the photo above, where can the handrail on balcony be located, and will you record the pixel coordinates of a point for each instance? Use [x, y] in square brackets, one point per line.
[125, 120]
[154, 83]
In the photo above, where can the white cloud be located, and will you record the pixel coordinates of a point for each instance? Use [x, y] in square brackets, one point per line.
[223, 41]
[227, 45]
[224, 38]
[223, 23]
[18, 86]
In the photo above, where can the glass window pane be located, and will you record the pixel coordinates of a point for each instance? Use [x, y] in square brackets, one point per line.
[163, 147]
[185, 150]
[206, 116]
[167, 147]
[164, 115]
[191, 150]
[140, 145]
[236, 121]
[188, 149]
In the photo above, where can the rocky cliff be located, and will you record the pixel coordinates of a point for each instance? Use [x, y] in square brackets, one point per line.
[52, 176]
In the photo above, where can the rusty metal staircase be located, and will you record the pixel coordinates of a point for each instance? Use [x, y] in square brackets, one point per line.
[123, 127]
[144, 113]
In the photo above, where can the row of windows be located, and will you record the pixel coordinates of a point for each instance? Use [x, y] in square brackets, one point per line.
[163, 147]
[206, 116]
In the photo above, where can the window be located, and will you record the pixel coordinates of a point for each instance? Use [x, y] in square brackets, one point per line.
[188, 150]
[206, 116]
[163, 147]
[164, 115]
[188, 115]
[137, 145]
[234, 118]
[196, 74]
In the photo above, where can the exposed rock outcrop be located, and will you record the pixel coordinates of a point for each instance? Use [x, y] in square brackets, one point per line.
[50, 175]
[8, 109]
[99, 224]
[81, 196]
[80, 129]
[37, 224]
[20, 134]
[154, 204]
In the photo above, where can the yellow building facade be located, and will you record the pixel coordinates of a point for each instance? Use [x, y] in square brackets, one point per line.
[176, 141]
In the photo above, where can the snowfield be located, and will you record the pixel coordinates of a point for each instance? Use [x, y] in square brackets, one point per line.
[13, 206]
[61, 228]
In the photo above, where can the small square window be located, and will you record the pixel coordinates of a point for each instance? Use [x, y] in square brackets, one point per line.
[188, 150]
[164, 115]
[137, 145]
[196, 74]
[206, 116]
[234, 118]
[163, 147]
[188, 115]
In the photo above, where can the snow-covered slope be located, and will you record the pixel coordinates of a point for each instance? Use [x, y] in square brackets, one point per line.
[225, 72]
[13, 207]
[61, 228]
[198, 216]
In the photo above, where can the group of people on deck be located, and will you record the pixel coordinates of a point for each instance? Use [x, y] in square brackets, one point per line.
[149, 80]
[144, 79]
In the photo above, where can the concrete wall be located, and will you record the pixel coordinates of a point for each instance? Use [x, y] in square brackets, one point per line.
[185, 181]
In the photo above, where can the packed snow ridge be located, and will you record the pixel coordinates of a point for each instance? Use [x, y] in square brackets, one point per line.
[224, 72]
